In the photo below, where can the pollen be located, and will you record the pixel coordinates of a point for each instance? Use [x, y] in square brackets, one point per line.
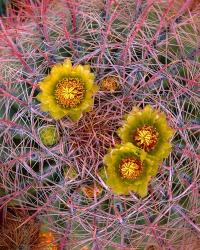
[69, 92]
[130, 168]
[110, 83]
[146, 137]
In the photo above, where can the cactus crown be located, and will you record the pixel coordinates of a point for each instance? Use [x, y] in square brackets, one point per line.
[95, 171]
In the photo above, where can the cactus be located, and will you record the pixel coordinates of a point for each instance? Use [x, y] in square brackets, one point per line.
[141, 53]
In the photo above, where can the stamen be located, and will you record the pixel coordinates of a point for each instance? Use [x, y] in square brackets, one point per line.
[130, 168]
[69, 92]
[146, 137]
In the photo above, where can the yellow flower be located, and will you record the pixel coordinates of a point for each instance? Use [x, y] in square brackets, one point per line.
[148, 130]
[67, 90]
[128, 168]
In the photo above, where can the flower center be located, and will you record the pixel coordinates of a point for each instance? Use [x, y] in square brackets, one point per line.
[146, 137]
[69, 92]
[130, 168]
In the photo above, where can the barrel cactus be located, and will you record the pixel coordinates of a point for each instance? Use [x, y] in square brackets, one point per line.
[72, 73]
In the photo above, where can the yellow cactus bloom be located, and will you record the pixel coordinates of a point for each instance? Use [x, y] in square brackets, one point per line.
[148, 130]
[128, 168]
[67, 91]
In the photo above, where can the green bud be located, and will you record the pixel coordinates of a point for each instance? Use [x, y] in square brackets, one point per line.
[49, 135]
